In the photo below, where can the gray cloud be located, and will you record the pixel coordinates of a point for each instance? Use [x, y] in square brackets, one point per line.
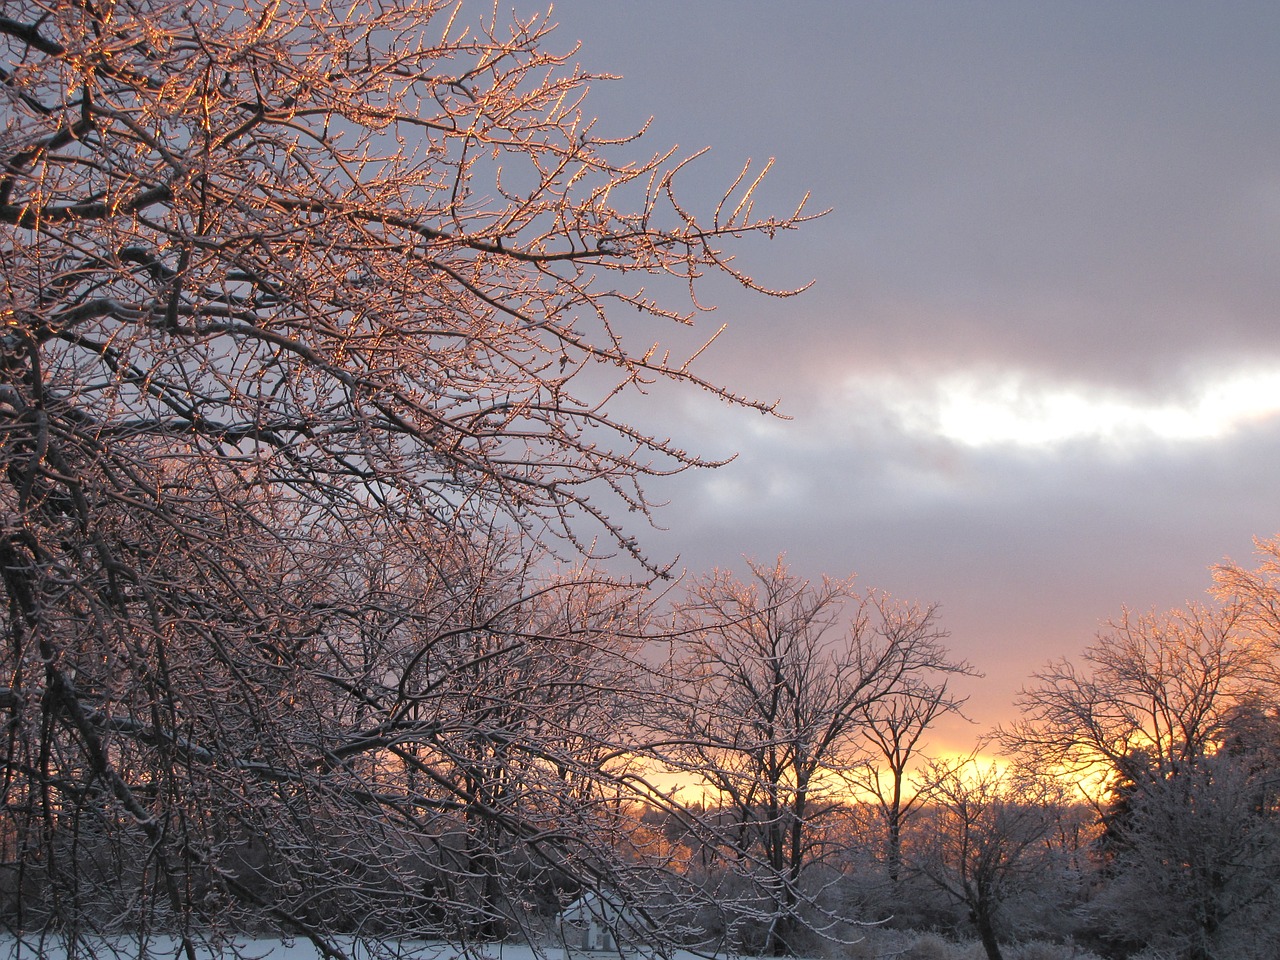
[1084, 196]
[1027, 551]
[1055, 186]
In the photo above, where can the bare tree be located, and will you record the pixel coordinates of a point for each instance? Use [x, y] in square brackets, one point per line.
[894, 728]
[302, 300]
[1255, 593]
[1153, 689]
[1167, 709]
[772, 688]
[985, 843]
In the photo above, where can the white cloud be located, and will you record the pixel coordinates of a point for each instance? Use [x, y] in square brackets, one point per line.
[978, 410]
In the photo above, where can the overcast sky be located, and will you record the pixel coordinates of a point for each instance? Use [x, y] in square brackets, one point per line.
[1037, 376]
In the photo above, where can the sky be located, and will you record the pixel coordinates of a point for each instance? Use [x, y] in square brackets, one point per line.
[1037, 377]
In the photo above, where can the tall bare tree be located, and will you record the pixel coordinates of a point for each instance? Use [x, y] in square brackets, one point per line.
[771, 690]
[894, 729]
[1152, 690]
[301, 298]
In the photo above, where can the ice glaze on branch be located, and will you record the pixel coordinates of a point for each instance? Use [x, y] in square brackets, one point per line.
[307, 310]
[306, 214]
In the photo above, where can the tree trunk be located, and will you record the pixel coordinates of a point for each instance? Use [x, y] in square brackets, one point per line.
[982, 919]
[895, 845]
[781, 942]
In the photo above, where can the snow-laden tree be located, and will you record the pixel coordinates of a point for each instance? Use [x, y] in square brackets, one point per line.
[1195, 863]
[308, 308]
[767, 708]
